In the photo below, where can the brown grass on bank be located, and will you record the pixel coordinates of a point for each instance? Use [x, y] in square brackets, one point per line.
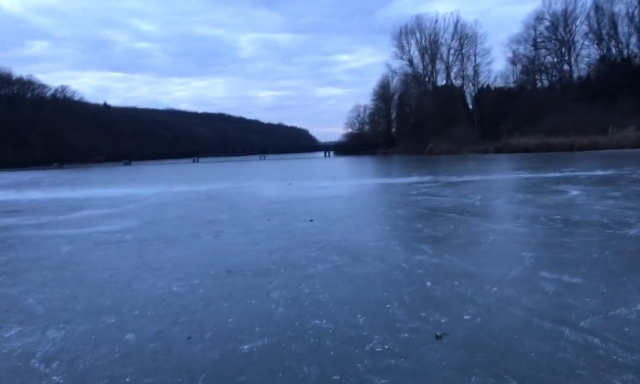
[627, 139]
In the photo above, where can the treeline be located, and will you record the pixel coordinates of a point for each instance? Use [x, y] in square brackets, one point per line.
[572, 71]
[41, 125]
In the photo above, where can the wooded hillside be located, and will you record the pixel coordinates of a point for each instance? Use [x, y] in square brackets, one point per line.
[40, 125]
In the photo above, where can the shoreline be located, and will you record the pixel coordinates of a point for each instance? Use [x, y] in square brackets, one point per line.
[526, 145]
[532, 144]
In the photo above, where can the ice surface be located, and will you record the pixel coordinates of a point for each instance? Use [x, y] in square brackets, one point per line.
[313, 270]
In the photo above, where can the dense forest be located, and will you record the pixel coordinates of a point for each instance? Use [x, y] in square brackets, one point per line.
[41, 125]
[571, 82]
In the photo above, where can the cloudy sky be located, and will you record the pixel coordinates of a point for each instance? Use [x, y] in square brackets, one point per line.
[298, 62]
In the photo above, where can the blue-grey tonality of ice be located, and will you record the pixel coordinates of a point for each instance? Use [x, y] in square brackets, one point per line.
[301, 269]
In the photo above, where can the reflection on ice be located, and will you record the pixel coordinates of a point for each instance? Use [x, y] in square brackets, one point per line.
[8, 194]
[82, 231]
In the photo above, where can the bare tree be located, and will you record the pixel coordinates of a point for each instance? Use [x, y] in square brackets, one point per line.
[451, 29]
[473, 58]
[416, 45]
[31, 87]
[632, 18]
[605, 31]
[65, 92]
[480, 58]
[564, 42]
[23, 86]
[462, 45]
[381, 112]
[7, 82]
[406, 96]
[358, 119]
[527, 57]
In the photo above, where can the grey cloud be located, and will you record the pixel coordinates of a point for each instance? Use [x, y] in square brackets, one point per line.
[302, 63]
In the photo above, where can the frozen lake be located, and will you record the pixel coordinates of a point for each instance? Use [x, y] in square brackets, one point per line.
[302, 269]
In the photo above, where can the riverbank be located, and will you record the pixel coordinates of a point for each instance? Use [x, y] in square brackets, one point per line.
[621, 140]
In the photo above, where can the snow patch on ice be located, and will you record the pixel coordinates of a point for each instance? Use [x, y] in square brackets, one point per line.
[627, 313]
[252, 346]
[568, 279]
[83, 231]
[130, 337]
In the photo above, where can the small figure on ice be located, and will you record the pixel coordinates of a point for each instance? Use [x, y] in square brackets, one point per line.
[440, 335]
